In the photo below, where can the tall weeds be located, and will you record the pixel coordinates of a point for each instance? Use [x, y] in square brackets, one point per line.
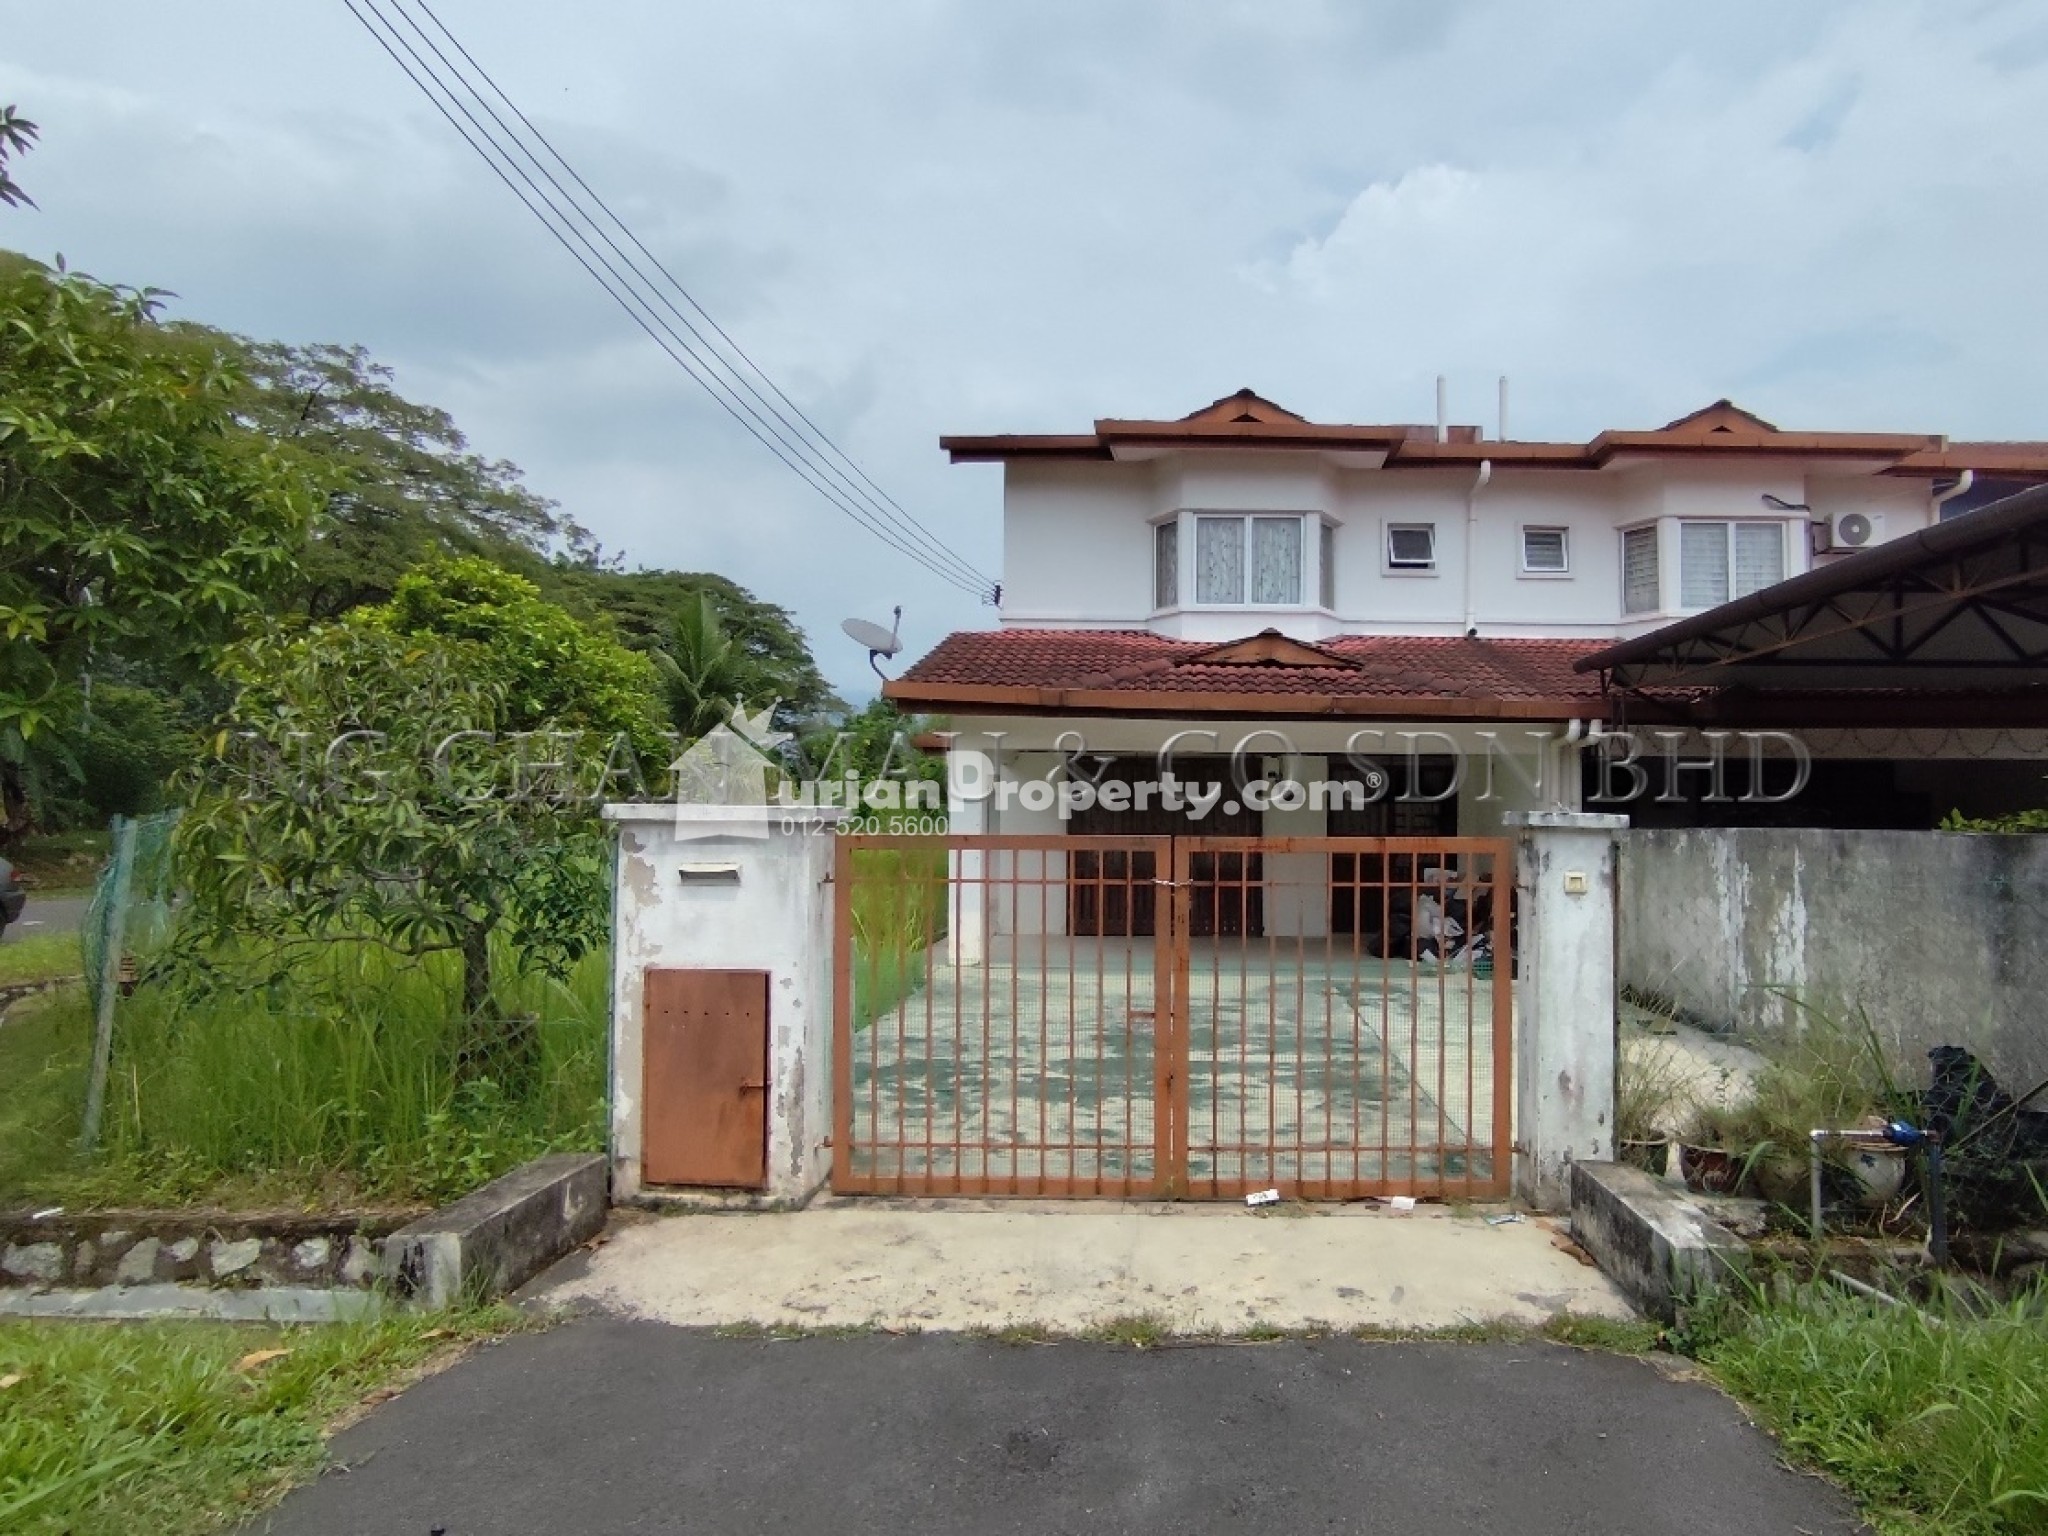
[338, 1084]
[898, 914]
[1938, 1421]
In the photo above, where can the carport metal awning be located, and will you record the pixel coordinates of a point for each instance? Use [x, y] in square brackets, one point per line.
[1959, 608]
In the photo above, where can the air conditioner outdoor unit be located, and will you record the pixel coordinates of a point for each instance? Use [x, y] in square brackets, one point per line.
[1852, 530]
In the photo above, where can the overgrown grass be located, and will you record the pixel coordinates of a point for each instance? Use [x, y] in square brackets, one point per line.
[40, 957]
[42, 1067]
[1939, 1424]
[179, 1427]
[337, 1088]
[899, 912]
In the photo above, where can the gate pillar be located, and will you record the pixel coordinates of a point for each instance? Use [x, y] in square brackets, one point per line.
[1564, 997]
[723, 890]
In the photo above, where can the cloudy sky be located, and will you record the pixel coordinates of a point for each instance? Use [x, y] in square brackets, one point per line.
[929, 217]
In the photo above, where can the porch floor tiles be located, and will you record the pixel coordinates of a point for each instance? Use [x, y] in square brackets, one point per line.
[1301, 1067]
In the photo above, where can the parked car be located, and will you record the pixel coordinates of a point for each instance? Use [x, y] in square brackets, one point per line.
[12, 897]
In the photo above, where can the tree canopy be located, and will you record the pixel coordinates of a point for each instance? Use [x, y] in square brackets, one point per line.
[771, 660]
[163, 482]
[556, 672]
[404, 486]
[425, 776]
[137, 514]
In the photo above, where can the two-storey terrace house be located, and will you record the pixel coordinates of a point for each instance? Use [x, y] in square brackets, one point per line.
[1435, 606]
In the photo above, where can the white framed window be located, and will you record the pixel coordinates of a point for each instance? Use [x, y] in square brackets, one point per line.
[1639, 573]
[1326, 565]
[1719, 562]
[1546, 551]
[1759, 557]
[1411, 546]
[1166, 563]
[1247, 559]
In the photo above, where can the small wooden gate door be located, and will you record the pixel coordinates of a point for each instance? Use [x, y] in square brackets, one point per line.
[704, 1093]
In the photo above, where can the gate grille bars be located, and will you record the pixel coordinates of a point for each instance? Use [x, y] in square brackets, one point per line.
[1166, 1017]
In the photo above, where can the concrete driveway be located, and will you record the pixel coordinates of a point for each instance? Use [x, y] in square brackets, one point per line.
[1070, 1266]
[1304, 1063]
[606, 1426]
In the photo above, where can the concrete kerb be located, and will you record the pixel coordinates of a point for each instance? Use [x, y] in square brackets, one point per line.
[501, 1236]
[1661, 1248]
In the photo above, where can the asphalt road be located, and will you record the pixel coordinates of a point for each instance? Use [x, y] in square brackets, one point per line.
[59, 914]
[605, 1426]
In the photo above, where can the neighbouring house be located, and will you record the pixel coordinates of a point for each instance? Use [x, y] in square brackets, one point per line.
[1462, 626]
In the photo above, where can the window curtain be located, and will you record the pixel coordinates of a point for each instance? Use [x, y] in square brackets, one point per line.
[1219, 559]
[1759, 558]
[1276, 559]
[1702, 564]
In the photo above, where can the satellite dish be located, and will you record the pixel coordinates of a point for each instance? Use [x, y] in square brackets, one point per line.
[879, 641]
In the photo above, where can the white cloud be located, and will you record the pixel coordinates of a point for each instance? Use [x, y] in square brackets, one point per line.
[933, 215]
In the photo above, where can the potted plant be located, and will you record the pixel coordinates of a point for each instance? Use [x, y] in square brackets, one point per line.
[1718, 1148]
[1649, 1088]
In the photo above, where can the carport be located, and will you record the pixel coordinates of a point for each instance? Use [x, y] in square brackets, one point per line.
[1911, 675]
[1944, 627]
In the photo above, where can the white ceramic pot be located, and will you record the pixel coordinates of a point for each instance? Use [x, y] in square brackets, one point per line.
[1880, 1173]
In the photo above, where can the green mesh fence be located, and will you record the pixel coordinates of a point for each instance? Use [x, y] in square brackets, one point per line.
[137, 879]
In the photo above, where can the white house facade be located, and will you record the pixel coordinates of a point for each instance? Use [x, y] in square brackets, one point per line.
[1260, 597]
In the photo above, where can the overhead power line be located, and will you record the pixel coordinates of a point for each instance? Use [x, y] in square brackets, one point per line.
[591, 232]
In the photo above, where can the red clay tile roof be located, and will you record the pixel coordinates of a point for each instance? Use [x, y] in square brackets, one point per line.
[1140, 672]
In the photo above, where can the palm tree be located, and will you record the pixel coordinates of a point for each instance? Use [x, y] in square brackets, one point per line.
[703, 671]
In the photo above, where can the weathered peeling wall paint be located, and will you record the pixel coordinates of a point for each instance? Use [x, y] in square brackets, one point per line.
[1940, 937]
[777, 917]
[1564, 998]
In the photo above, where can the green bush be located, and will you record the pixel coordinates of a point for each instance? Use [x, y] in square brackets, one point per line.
[899, 912]
[126, 755]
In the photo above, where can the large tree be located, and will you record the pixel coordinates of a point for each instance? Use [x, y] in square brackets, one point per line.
[423, 776]
[405, 487]
[138, 516]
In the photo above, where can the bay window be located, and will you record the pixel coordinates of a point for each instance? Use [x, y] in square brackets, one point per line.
[1639, 573]
[1247, 560]
[1717, 562]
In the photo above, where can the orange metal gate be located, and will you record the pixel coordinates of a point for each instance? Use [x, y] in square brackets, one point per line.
[1172, 1017]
